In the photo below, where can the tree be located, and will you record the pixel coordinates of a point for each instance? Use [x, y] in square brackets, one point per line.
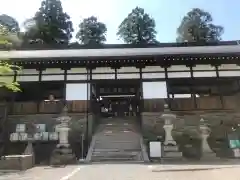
[91, 31]
[197, 26]
[137, 28]
[50, 24]
[6, 41]
[10, 23]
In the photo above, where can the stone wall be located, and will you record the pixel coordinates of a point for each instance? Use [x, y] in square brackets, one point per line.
[187, 123]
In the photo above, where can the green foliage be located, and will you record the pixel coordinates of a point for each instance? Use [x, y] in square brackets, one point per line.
[91, 31]
[50, 24]
[5, 67]
[137, 28]
[197, 26]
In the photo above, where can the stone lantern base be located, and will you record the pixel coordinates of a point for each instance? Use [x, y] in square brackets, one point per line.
[63, 155]
[171, 151]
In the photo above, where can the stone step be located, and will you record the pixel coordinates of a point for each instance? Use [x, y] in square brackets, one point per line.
[117, 147]
[119, 134]
[119, 155]
[117, 139]
[113, 159]
[116, 153]
[109, 147]
[117, 150]
[117, 144]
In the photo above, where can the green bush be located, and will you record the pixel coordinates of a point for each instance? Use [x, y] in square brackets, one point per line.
[189, 143]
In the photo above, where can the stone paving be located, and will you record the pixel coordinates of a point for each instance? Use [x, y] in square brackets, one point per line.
[129, 172]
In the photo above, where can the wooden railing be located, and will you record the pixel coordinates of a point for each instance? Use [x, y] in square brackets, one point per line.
[47, 107]
[150, 105]
[188, 104]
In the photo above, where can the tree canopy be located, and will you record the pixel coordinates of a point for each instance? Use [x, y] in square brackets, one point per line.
[91, 31]
[51, 24]
[10, 23]
[197, 26]
[137, 28]
[6, 41]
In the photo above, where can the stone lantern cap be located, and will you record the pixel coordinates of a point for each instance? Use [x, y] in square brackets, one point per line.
[64, 118]
[167, 114]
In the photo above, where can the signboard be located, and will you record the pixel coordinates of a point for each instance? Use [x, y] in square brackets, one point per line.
[155, 148]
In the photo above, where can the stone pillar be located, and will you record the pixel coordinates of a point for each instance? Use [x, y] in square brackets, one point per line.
[63, 136]
[170, 146]
[168, 134]
[205, 132]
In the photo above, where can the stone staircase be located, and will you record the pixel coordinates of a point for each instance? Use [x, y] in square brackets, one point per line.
[117, 140]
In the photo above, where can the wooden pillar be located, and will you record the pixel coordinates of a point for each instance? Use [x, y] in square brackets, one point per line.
[193, 94]
[115, 71]
[13, 95]
[141, 106]
[219, 88]
[39, 90]
[65, 88]
[167, 87]
[87, 117]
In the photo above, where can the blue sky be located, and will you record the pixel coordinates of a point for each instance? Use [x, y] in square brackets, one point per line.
[167, 13]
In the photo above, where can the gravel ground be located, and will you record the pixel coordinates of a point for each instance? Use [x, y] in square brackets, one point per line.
[129, 172]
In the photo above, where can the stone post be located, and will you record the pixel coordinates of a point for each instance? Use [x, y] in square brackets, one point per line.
[205, 132]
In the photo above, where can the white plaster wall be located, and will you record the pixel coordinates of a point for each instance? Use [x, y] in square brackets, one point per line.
[77, 70]
[103, 76]
[77, 91]
[153, 90]
[179, 74]
[229, 73]
[127, 69]
[178, 68]
[152, 69]
[153, 75]
[27, 78]
[76, 77]
[128, 76]
[103, 70]
[53, 71]
[52, 77]
[229, 67]
[204, 67]
[205, 74]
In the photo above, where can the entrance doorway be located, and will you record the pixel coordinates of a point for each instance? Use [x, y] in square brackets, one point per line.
[118, 98]
[120, 106]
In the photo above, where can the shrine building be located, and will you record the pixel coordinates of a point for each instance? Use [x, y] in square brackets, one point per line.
[118, 82]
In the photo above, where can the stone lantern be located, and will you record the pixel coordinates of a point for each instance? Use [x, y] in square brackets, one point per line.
[63, 153]
[205, 132]
[170, 148]
[168, 125]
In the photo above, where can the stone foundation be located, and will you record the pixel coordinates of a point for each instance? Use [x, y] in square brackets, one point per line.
[16, 162]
